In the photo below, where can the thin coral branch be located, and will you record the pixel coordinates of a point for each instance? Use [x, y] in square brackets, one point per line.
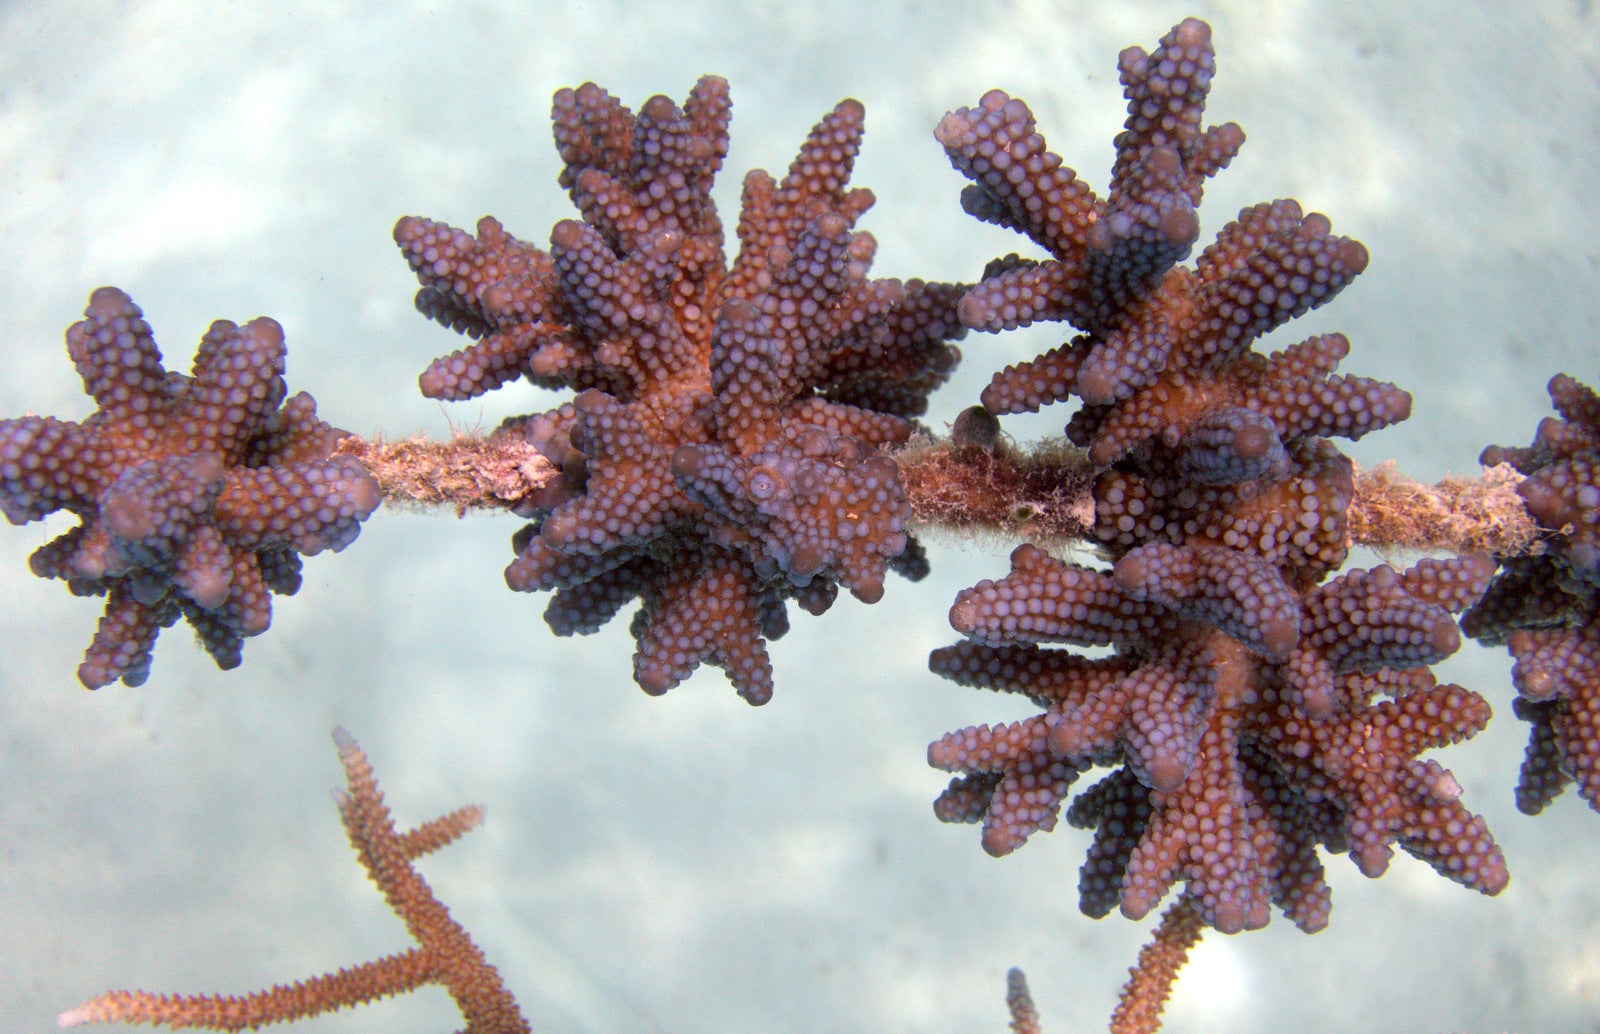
[445, 953]
[1024, 1017]
[392, 975]
[1144, 997]
[1150, 980]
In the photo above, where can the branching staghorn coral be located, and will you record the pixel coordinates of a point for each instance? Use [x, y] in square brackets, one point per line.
[445, 953]
[742, 434]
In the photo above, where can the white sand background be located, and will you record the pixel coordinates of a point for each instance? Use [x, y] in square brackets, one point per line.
[691, 863]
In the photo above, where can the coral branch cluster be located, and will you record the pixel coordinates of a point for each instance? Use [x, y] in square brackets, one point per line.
[1250, 729]
[722, 455]
[1253, 708]
[196, 495]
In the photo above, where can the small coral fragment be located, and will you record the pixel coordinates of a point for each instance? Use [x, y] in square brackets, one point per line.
[1150, 980]
[1024, 1016]
[197, 495]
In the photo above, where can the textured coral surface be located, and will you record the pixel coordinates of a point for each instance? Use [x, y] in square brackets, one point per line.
[197, 495]
[1163, 364]
[1547, 608]
[722, 455]
[1251, 729]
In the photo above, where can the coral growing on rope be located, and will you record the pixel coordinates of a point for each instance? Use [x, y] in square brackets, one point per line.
[1253, 709]
[196, 495]
[742, 434]
[723, 453]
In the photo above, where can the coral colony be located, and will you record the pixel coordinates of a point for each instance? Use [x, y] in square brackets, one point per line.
[742, 434]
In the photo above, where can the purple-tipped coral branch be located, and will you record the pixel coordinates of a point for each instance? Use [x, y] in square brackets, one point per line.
[197, 495]
[1546, 608]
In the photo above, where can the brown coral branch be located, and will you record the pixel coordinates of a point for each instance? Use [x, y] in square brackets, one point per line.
[1144, 997]
[284, 1003]
[1150, 980]
[445, 953]
[1024, 1017]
